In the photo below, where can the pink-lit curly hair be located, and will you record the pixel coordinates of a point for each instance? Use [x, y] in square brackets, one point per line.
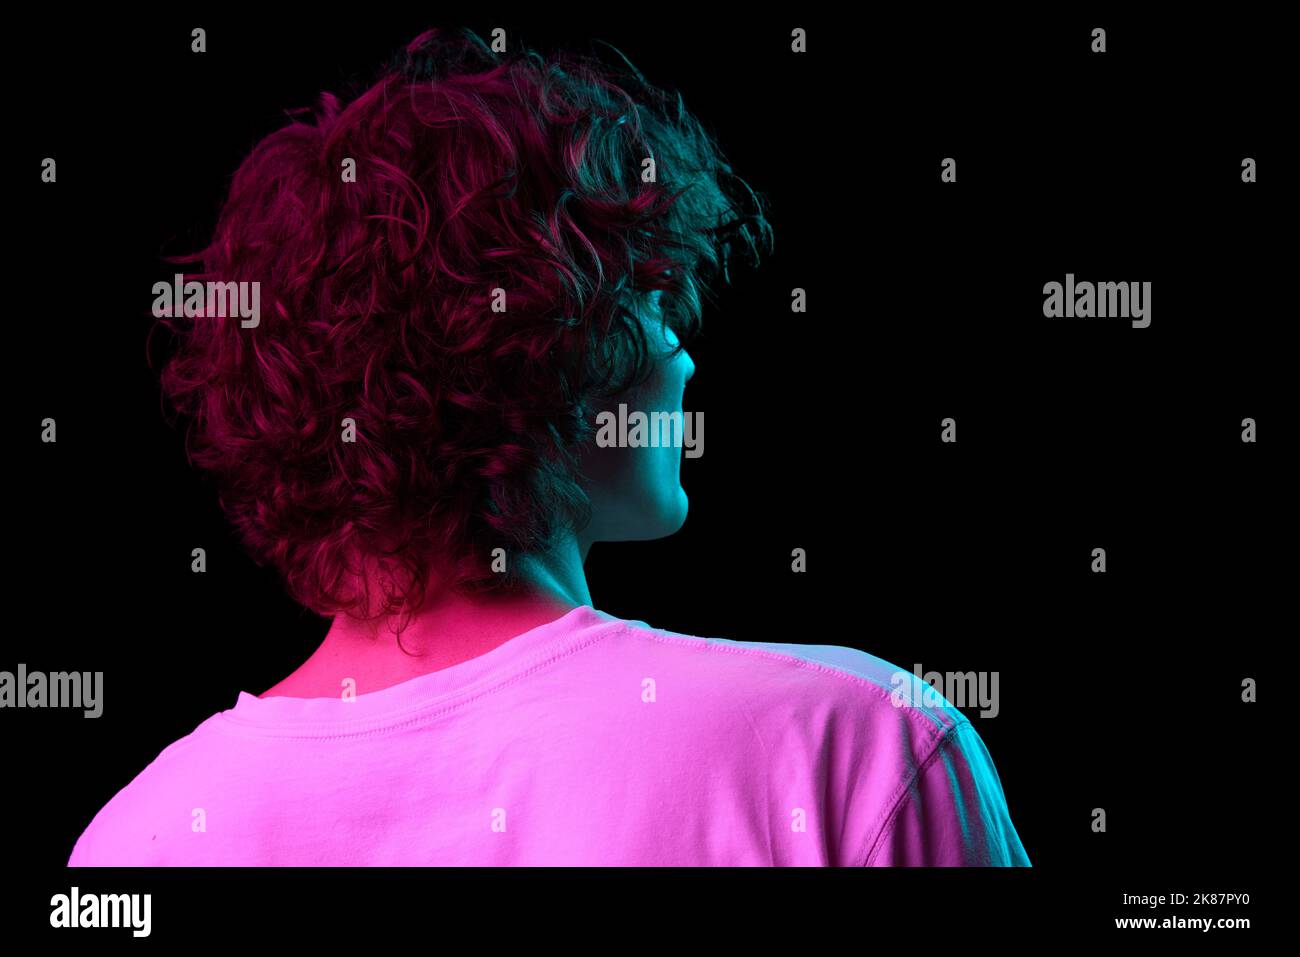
[475, 172]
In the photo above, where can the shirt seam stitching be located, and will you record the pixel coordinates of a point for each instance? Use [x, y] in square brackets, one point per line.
[420, 713]
[928, 728]
[884, 828]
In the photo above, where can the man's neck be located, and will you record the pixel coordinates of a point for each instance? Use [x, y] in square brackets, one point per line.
[448, 630]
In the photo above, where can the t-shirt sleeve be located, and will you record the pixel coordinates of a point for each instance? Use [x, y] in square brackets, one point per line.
[953, 813]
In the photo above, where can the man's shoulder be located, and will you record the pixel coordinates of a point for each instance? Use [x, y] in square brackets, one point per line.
[137, 823]
[857, 691]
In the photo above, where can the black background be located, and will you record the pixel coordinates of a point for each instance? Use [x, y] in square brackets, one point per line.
[1119, 691]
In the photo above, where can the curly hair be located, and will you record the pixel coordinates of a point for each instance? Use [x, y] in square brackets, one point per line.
[479, 178]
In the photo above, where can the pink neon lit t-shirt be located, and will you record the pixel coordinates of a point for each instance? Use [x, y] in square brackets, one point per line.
[590, 740]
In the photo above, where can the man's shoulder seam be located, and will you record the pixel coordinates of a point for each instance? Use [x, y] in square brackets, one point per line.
[896, 801]
[934, 730]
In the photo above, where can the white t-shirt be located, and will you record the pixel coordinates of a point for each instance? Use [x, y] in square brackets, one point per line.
[587, 741]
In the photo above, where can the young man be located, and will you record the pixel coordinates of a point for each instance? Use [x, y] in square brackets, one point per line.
[458, 273]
